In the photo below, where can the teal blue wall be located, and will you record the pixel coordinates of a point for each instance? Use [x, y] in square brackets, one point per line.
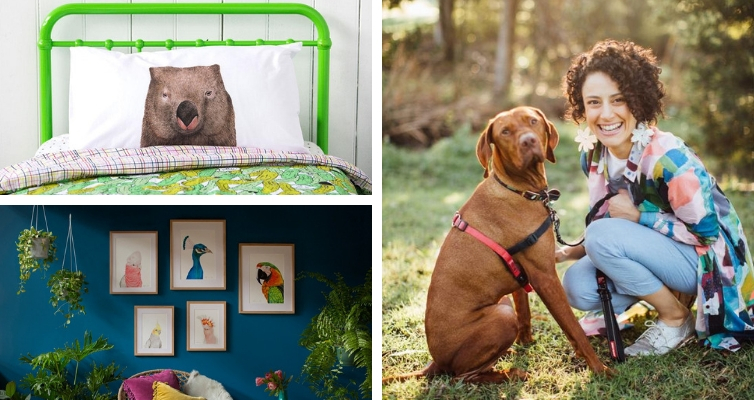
[327, 239]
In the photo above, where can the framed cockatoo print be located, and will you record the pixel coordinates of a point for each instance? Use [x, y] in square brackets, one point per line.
[197, 254]
[133, 262]
[153, 331]
[206, 326]
[266, 278]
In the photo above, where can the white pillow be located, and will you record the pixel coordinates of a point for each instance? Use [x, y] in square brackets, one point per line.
[108, 91]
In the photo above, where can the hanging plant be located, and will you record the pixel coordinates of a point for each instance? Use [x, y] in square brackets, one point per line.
[67, 288]
[36, 249]
[68, 285]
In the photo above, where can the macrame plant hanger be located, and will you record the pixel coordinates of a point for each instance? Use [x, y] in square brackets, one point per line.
[69, 241]
[35, 216]
[70, 283]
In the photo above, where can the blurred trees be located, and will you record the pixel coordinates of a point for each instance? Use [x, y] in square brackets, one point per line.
[720, 76]
[706, 49]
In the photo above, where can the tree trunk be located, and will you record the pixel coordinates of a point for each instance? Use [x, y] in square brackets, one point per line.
[504, 52]
[447, 29]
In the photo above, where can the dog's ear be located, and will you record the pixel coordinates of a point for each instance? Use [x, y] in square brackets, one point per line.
[483, 149]
[552, 135]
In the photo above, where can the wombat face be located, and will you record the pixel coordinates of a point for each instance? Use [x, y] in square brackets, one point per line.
[188, 106]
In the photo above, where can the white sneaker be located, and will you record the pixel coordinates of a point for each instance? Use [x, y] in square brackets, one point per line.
[659, 338]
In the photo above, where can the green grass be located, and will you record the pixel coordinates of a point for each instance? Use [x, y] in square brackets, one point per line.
[421, 191]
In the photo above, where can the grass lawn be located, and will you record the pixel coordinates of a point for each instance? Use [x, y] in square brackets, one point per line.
[421, 191]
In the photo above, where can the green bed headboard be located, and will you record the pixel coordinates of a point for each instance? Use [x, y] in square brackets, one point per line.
[46, 43]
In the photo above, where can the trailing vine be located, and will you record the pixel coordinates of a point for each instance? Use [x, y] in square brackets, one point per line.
[26, 260]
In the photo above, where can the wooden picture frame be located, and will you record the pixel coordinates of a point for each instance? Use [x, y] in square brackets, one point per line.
[206, 326]
[276, 261]
[154, 333]
[133, 262]
[197, 243]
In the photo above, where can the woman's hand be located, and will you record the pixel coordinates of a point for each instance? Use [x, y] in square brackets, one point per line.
[569, 253]
[621, 206]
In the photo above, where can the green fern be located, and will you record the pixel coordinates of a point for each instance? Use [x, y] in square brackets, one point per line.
[344, 322]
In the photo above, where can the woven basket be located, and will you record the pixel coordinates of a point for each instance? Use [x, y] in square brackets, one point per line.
[182, 379]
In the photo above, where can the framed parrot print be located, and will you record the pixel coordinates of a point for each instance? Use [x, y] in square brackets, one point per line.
[133, 262]
[206, 326]
[266, 278]
[153, 331]
[197, 254]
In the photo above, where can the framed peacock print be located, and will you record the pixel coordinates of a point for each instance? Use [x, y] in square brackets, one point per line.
[266, 278]
[133, 262]
[206, 326]
[153, 331]
[197, 254]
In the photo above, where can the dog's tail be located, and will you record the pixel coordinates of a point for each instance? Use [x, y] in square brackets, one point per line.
[428, 371]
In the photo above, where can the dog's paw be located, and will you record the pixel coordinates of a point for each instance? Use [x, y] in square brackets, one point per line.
[603, 369]
[515, 374]
[524, 338]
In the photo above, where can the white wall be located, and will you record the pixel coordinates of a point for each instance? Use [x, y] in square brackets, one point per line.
[351, 136]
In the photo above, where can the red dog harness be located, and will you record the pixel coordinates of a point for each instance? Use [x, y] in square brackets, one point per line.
[506, 254]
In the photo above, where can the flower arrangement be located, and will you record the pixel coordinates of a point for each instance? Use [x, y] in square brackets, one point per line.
[276, 382]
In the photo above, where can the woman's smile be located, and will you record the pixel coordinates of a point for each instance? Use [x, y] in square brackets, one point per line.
[607, 113]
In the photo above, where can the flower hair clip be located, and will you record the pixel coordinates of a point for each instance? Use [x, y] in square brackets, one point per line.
[642, 135]
[586, 139]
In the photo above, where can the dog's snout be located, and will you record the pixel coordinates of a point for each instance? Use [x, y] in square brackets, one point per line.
[528, 139]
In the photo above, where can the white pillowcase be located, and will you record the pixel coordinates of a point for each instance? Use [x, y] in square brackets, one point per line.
[108, 91]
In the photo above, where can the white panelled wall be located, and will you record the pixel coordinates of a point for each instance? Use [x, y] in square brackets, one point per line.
[350, 64]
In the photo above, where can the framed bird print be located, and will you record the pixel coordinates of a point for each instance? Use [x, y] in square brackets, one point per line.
[205, 326]
[265, 278]
[133, 262]
[197, 254]
[153, 331]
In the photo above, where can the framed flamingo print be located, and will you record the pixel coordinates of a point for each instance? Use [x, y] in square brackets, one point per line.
[197, 254]
[153, 331]
[266, 278]
[206, 326]
[133, 262]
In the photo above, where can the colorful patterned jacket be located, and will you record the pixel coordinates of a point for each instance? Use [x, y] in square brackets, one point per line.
[680, 199]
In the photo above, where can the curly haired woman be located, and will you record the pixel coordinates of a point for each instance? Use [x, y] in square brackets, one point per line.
[668, 226]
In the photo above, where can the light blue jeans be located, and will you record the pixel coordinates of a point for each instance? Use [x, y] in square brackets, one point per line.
[637, 260]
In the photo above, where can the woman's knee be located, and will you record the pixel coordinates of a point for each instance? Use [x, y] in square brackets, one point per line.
[602, 234]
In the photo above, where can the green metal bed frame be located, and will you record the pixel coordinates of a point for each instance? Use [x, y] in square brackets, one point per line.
[46, 43]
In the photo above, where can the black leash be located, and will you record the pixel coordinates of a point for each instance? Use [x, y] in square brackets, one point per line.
[546, 196]
[614, 341]
[612, 329]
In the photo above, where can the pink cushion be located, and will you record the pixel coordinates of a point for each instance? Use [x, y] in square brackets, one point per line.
[140, 387]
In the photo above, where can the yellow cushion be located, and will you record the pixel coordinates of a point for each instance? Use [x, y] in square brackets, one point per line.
[163, 391]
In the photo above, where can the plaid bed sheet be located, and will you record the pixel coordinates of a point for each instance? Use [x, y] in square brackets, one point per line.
[76, 164]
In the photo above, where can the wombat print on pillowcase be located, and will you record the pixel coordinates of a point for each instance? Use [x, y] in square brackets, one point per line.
[188, 106]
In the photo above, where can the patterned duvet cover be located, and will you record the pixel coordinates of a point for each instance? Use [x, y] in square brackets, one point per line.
[183, 170]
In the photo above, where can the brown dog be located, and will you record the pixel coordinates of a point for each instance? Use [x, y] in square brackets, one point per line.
[469, 320]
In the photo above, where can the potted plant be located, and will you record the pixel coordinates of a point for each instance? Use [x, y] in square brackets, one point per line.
[67, 288]
[36, 249]
[52, 379]
[342, 323]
